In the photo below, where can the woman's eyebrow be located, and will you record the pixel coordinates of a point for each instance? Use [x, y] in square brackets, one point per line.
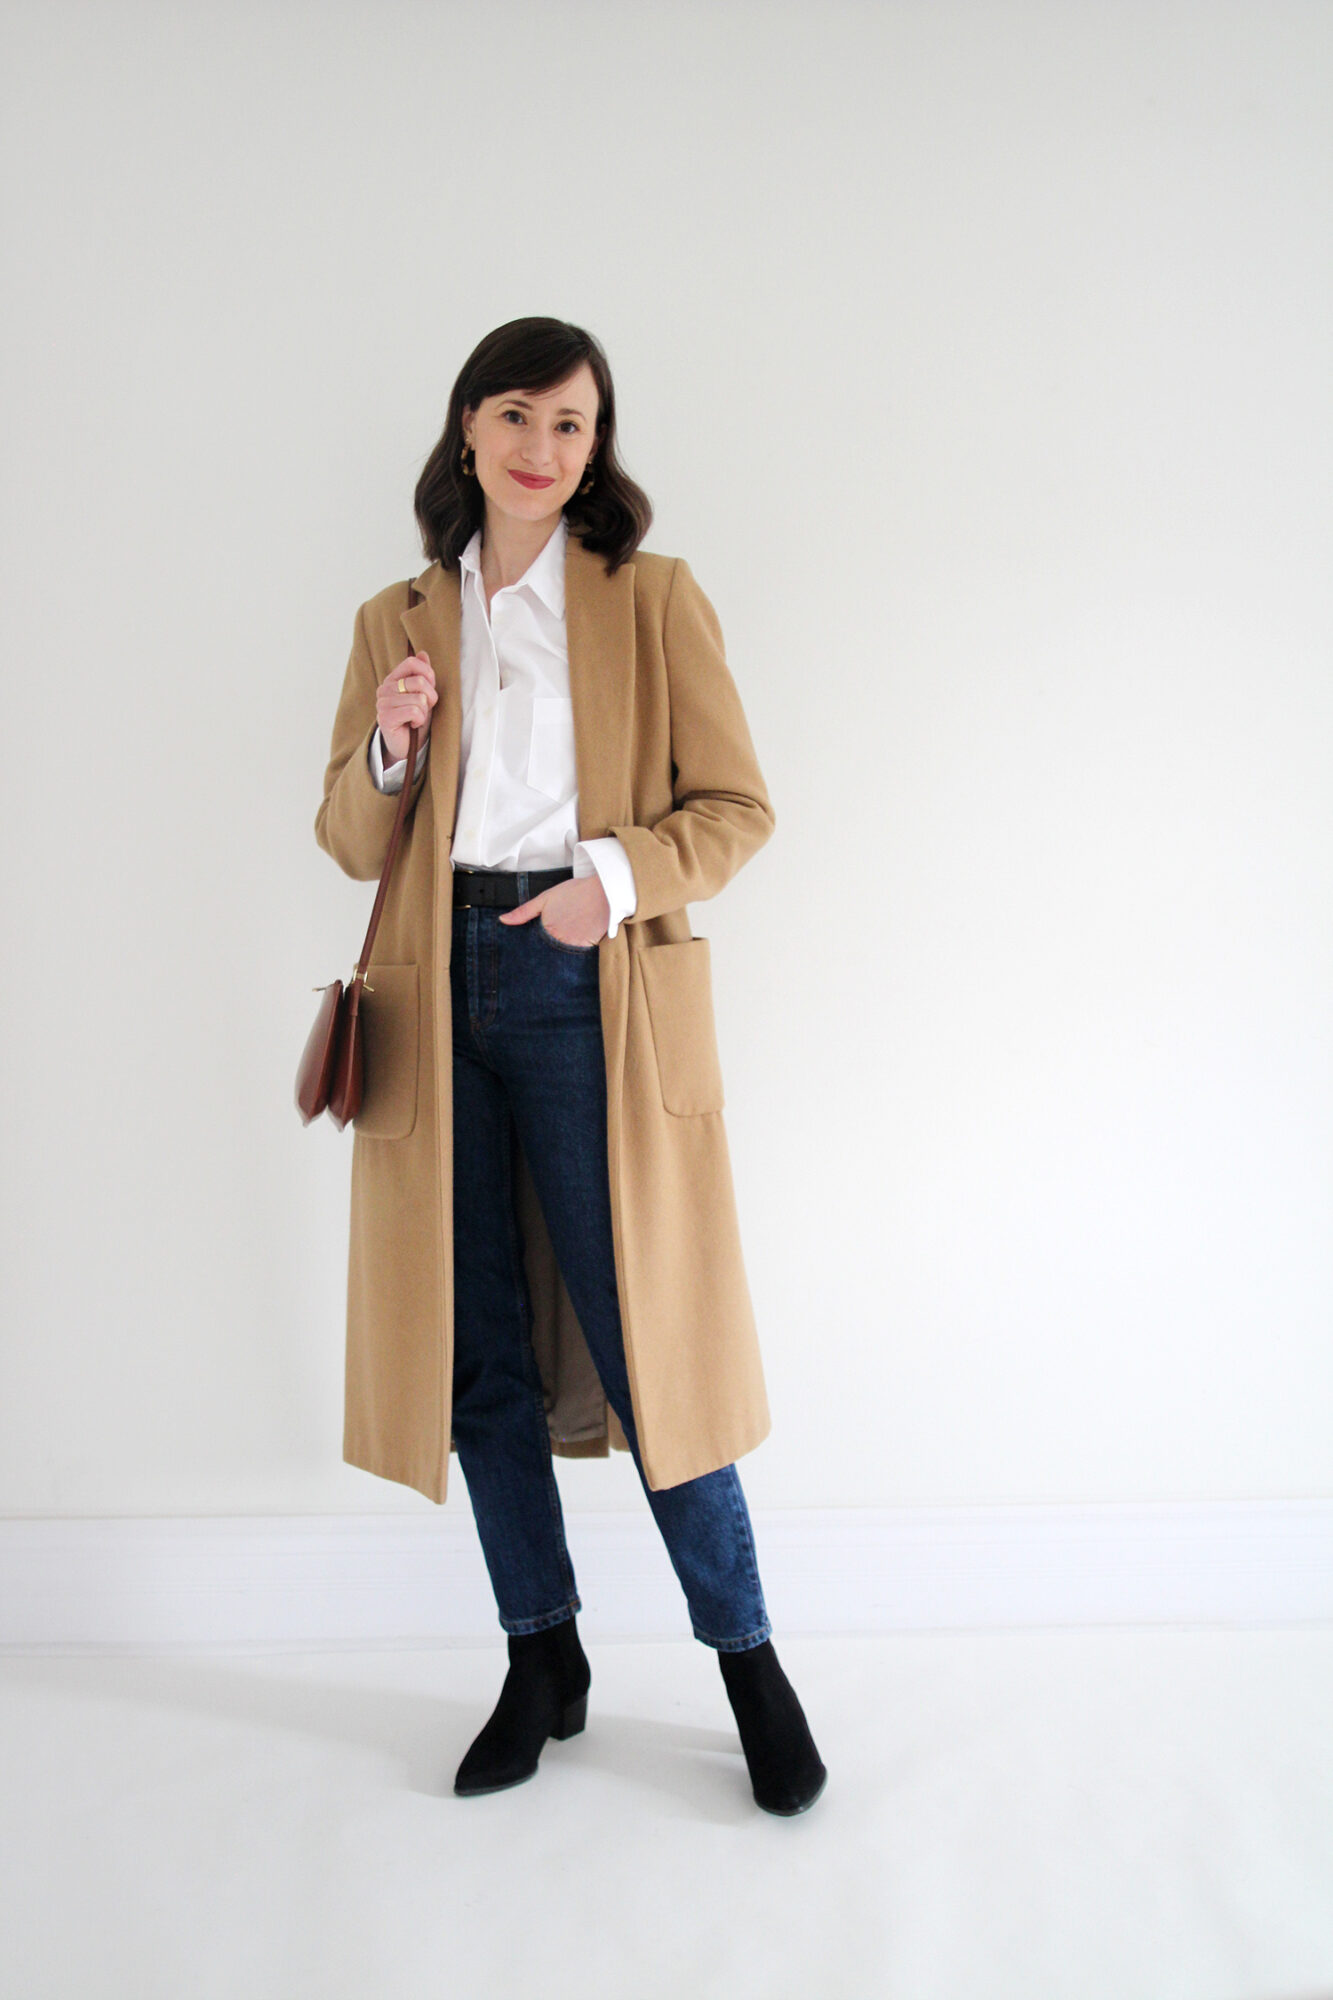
[566, 412]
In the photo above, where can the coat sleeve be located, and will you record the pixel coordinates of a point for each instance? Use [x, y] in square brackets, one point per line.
[722, 813]
[355, 820]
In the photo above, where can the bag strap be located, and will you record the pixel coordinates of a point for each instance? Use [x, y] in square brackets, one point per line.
[409, 778]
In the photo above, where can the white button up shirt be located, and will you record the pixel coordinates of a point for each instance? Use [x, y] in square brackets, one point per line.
[518, 785]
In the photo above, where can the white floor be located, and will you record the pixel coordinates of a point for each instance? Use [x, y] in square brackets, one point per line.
[1070, 1815]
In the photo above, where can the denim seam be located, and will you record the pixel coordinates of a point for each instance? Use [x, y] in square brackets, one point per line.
[530, 1368]
[755, 1638]
[762, 1631]
[519, 1626]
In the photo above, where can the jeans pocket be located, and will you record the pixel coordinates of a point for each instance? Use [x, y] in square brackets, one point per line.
[579, 950]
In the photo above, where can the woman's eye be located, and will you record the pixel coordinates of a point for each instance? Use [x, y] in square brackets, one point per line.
[567, 424]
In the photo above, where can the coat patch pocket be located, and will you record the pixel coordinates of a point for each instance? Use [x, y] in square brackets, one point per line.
[390, 1036]
[677, 979]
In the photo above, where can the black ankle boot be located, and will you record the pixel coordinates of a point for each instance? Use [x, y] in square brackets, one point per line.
[545, 1694]
[785, 1770]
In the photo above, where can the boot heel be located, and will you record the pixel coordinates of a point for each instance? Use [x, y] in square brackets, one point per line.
[572, 1720]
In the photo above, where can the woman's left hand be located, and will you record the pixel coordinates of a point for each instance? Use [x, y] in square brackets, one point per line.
[575, 911]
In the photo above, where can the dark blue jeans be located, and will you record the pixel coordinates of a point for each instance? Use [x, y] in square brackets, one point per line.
[528, 1059]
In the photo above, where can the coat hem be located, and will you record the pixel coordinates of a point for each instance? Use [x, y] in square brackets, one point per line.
[429, 1485]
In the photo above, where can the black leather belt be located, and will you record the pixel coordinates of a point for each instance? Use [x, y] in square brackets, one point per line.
[503, 889]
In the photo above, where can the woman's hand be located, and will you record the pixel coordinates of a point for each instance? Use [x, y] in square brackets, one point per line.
[578, 910]
[395, 712]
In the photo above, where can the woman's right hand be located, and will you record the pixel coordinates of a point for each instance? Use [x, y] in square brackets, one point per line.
[396, 712]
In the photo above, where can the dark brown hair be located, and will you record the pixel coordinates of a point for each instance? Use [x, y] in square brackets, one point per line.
[530, 354]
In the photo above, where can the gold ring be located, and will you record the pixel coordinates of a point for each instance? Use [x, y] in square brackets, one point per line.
[402, 688]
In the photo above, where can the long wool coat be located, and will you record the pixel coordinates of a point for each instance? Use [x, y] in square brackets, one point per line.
[665, 762]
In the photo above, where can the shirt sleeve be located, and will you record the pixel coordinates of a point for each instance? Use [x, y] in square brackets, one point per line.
[609, 861]
[391, 780]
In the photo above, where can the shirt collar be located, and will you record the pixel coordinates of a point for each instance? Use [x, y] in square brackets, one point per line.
[545, 575]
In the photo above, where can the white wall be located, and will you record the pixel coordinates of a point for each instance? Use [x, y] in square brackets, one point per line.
[976, 357]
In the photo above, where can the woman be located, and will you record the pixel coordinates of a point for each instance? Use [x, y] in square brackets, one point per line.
[544, 1249]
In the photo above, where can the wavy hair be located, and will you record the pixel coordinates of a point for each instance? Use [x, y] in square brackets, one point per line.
[530, 354]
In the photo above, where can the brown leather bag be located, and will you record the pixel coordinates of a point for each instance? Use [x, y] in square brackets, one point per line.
[333, 1063]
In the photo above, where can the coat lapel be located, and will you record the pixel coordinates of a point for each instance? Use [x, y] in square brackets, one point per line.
[599, 624]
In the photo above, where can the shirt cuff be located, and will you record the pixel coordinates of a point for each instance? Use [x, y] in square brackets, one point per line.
[609, 861]
[391, 780]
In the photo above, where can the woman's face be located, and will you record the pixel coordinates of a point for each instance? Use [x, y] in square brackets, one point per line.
[547, 436]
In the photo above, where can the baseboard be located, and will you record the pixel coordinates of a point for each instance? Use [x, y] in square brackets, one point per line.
[302, 1582]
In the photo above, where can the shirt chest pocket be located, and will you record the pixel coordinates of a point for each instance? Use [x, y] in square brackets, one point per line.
[551, 767]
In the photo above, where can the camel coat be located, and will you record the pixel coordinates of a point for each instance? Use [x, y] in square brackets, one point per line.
[666, 763]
